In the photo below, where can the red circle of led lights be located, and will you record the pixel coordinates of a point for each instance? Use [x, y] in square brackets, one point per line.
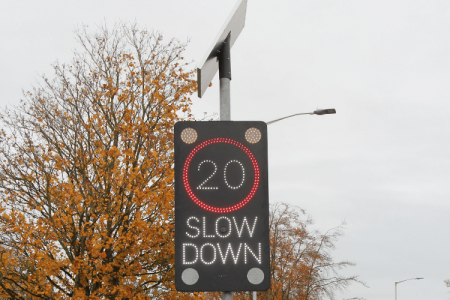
[220, 209]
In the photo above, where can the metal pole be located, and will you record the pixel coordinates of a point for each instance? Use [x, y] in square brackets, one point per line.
[254, 295]
[225, 78]
[225, 112]
[227, 295]
[396, 291]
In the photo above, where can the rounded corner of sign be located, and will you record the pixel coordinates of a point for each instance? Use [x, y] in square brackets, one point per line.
[178, 125]
[262, 124]
[265, 286]
[180, 289]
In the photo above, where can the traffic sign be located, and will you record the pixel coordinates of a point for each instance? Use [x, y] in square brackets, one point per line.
[209, 64]
[221, 206]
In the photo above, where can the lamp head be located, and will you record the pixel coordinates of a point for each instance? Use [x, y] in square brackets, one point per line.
[325, 111]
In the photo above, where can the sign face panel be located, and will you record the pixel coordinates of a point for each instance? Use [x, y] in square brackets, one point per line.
[221, 206]
[209, 65]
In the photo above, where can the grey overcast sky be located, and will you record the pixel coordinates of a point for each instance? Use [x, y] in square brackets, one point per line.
[382, 163]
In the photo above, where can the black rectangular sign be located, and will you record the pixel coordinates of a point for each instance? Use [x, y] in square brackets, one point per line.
[221, 206]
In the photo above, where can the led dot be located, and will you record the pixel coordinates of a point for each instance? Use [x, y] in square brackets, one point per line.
[220, 209]
[193, 227]
[204, 230]
[184, 254]
[235, 257]
[201, 187]
[189, 135]
[258, 258]
[217, 227]
[253, 135]
[245, 222]
[201, 254]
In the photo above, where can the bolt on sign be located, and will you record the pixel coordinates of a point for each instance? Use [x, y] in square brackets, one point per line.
[221, 206]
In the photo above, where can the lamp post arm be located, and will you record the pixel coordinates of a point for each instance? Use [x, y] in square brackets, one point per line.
[273, 121]
[408, 279]
[316, 112]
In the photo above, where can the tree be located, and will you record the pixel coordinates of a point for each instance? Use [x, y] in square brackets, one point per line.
[86, 172]
[302, 267]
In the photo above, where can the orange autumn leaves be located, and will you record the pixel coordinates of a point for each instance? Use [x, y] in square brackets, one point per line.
[86, 182]
[86, 173]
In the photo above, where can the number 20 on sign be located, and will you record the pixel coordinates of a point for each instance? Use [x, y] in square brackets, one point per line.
[221, 206]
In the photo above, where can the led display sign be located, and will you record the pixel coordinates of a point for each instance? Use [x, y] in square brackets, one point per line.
[221, 206]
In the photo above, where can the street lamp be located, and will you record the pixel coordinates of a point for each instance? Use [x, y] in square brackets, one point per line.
[316, 112]
[397, 282]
